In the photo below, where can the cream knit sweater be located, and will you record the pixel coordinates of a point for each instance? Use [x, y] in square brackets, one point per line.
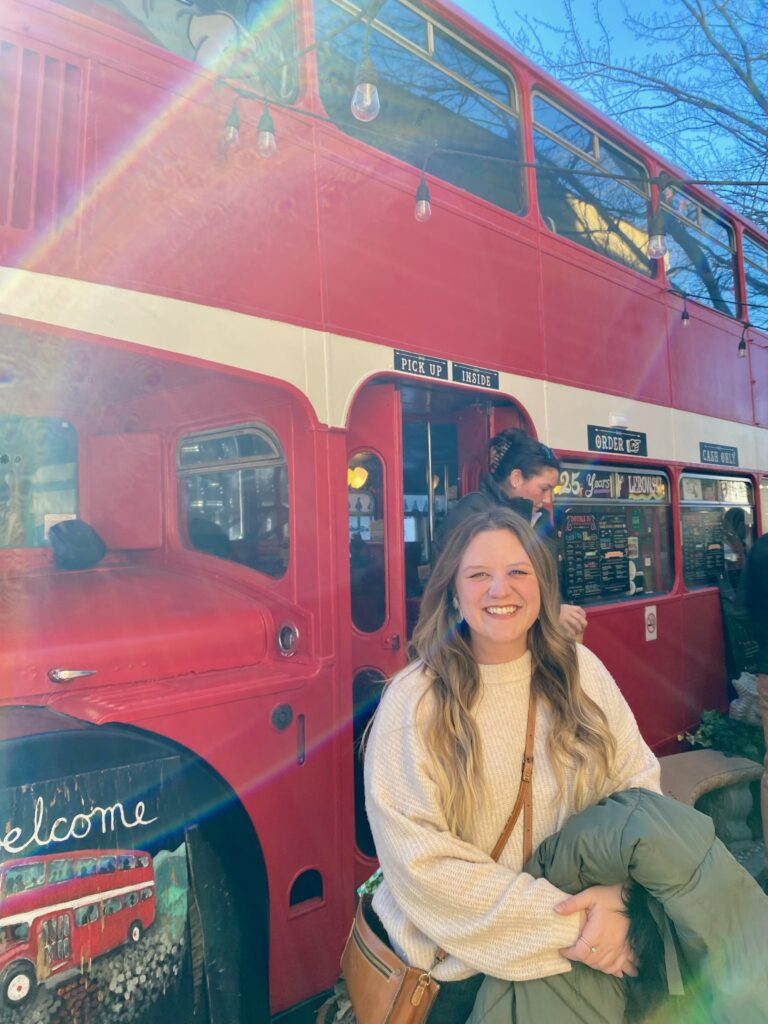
[442, 891]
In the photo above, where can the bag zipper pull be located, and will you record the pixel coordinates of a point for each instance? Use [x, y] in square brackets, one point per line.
[421, 987]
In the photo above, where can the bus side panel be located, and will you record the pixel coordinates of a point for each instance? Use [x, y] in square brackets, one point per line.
[759, 365]
[706, 375]
[703, 645]
[649, 672]
[374, 250]
[602, 328]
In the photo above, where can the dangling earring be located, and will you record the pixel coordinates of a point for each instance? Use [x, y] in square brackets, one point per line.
[457, 609]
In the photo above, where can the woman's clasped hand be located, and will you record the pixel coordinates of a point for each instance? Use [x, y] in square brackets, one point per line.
[602, 943]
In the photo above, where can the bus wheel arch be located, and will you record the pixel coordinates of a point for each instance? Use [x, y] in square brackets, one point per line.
[18, 983]
[197, 806]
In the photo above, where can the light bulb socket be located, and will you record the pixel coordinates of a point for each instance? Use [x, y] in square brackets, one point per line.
[685, 316]
[657, 242]
[741, 351]
[365, 72]
[233, 118]
[422, 192]
[266, 124]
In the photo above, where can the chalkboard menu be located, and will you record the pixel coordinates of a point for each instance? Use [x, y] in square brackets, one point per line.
[595, 557]
[614, 560]
[581, 563]
[702, 546]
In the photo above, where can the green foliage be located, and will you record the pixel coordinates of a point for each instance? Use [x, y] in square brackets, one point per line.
[729, 735]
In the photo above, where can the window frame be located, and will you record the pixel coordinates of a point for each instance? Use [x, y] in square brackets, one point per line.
[695, 225]
[511, 109]
[277, 460]
[601, 501]
[641, 187]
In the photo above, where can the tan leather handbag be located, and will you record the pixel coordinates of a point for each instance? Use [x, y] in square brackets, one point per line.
[382, 988]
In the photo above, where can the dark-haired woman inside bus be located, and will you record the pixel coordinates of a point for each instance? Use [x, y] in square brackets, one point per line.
[442, 769]
[522, 477]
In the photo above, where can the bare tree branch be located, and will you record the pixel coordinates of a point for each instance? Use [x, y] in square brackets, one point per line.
[698, 92]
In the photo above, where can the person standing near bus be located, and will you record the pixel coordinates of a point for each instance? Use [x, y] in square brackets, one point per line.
[442, 766]
[753, 596]
[522, 477]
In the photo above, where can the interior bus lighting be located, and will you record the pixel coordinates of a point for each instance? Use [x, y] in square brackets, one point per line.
[741, 351]
[685, 316]
[266, 144]
[423, 209]
[657, 242]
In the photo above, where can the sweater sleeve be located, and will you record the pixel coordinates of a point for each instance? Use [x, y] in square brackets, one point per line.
[636, 765]
[492, 918]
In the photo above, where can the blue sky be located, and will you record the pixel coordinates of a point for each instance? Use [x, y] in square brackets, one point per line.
[552, 11]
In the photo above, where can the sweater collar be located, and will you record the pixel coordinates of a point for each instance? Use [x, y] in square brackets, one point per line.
[518, 671]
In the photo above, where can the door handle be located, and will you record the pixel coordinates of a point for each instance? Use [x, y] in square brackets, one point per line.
[64, 675]
[391, 642]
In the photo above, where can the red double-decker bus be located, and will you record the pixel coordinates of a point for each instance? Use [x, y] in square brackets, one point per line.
[59, 911]
[258, 345]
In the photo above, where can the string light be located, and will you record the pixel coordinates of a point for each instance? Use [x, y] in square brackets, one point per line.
[685, 316]
[266, 144]
[657, 241]
[423, 209]
[231, 134]
[365, 104]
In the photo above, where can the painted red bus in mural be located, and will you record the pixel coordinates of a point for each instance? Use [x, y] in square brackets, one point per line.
[61, 910]
[257, 342]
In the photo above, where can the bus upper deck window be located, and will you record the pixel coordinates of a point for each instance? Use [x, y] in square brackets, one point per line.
[233, 495]
[440, 96]
[254, 39]
[701, 252]
[605, 214]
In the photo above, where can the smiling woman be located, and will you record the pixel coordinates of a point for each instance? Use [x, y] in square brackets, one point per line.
[497, 596]
[443, 764]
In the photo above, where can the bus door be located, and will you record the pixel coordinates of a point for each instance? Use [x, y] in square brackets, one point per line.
[375, 502]
[54, 943]
[413, 451]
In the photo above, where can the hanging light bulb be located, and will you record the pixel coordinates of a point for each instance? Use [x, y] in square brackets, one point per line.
[365, 105]
[741, 351]
[423, 210]
[685, 316]
[266, 144]
[657, 242]
[231, 134]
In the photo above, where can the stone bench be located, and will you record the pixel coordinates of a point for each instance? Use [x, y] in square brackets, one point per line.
[716, 784]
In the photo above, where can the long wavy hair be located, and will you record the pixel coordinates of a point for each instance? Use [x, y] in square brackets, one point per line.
[579, 738]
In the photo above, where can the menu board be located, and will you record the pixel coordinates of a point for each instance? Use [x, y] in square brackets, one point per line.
[595, 558]
[614, 557]
[581, 562]
[702, 546]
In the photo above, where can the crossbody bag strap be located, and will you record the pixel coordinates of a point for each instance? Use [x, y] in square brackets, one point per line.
[523, 802]
[524, 799]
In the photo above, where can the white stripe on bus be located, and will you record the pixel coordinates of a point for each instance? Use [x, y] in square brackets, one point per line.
[95, 897]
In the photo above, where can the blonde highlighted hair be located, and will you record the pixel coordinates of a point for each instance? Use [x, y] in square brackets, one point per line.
[579, 738]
